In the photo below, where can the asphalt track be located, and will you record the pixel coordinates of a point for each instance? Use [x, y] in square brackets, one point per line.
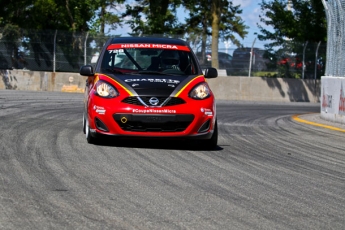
[270, 171]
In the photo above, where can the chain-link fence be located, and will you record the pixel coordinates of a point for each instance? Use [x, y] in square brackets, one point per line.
[61, 51]
[47, 50]
[335, 11]
[291, 60]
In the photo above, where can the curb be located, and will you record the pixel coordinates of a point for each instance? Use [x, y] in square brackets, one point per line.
[298, 119]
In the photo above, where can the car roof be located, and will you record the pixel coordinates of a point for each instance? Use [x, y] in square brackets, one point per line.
[156, 40]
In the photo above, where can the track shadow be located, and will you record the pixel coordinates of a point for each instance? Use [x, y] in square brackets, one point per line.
[154, 143]
[297, 89]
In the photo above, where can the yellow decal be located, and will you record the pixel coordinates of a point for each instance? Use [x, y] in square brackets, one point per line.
[179, 92]
[111, 79]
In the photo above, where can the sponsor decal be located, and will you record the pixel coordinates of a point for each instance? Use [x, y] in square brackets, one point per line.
[207, 112]
[168, 81]
[72, 88]
[342, 101]
[99, 110]
[147, 45]
[326, 101]
[159, 111]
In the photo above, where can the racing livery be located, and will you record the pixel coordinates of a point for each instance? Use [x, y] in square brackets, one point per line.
[149, 87]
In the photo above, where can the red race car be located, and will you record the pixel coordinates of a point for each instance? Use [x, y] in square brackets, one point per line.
[149, 87]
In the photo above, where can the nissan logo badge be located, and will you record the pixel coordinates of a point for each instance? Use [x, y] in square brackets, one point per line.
[154, 101]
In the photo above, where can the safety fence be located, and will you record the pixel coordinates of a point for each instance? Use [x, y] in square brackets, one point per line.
[61, 51]
[333, 81]
[335, 11]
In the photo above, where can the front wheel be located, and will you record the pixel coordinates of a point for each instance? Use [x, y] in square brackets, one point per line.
[90, 139]
[213, 141]
[84, 124]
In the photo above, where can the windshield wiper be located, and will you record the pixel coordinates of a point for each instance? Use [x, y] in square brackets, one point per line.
[150, 72]
[157, 72]
[114, 71]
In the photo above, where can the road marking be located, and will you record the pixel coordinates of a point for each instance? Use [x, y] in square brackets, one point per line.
[298, 119]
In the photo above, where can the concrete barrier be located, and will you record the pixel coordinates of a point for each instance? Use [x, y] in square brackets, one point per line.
[265, 89]
[333, 99]
[225, 88]
[42, 81]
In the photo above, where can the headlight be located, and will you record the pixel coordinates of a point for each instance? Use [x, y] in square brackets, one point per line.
[104, 89]
[200, 91]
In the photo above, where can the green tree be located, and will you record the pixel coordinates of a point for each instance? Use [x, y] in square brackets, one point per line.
[11, 36]
[301, 21]
[149, 17]
[107, 14]
[76, 16]
[71, 15]
[289, 26]
[223, 22]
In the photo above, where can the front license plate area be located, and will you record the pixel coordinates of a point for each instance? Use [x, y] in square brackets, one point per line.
[153, 122]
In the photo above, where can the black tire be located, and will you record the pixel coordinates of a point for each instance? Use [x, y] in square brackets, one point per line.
[89, 137]
[212, 143]
[84, 124]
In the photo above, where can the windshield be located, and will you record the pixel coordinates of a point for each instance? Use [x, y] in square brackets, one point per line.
[176, 60]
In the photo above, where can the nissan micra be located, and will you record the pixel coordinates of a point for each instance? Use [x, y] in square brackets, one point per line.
[149, 87]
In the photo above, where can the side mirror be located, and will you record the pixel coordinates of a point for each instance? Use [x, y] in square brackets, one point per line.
[211, 73]
[86, 70]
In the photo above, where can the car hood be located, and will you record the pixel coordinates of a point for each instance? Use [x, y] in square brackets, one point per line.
[153, 85]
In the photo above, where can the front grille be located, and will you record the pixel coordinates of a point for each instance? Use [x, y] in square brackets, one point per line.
[132, 101]
[163, 101]
[175, 101]
[153, 123]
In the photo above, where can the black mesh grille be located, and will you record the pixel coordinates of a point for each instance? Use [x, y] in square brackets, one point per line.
[153, 123]
[168, 101]
[175, 101]
[132, 101]
[152, 127]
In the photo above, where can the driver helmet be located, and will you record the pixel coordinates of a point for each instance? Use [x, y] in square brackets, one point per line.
[170, 60]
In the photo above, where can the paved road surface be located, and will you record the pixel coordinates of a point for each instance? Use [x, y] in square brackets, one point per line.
[269, 171]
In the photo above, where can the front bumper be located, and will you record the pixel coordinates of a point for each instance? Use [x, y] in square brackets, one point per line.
[194, 119]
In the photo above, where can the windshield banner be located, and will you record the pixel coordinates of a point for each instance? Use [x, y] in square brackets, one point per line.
[147, 45]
